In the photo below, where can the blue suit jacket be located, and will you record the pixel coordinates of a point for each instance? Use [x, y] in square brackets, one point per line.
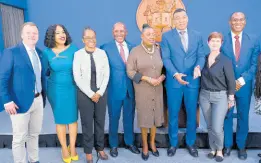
[246, 65]
[119, 83]
[176, 60]
[17, 79]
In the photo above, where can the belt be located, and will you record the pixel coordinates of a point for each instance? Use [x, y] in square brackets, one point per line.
[214, 90]
[37, 95]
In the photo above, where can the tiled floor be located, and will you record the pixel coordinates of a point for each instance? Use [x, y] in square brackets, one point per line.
[53, 155]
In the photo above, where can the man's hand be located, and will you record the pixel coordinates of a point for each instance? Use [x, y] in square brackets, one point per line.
[197, 72]
[180, 80]
[11, 108]
[96, 97]
[238, 85]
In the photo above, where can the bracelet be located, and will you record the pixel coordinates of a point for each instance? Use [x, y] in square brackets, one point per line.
[149, 79]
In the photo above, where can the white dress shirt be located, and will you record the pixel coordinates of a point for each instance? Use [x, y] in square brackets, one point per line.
[185, 35]
[29, 52]
[241, 79]
[125, 48]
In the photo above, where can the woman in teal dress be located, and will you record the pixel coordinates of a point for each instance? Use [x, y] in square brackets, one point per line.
[61, 88]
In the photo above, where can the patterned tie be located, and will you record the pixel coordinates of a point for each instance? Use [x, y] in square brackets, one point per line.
[37, 72]
[184, 40]
[122, 53]
[237, 47]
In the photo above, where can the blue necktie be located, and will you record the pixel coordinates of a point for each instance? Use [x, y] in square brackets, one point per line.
[37, 72]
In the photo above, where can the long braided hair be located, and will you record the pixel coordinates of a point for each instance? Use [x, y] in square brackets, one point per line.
[258, 78]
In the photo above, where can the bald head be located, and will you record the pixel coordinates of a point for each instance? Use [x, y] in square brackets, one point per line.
[119, 32]
[236, 14]
[237, 22]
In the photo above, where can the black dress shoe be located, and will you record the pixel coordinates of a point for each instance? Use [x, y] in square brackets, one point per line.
[219, 158]
[226, 152]
[193, 151]
[145, 157]
[242, 154]
[171, 151]
[114, 152]
[259, 154]
[211, 155]
[133, 149]
[155, 153]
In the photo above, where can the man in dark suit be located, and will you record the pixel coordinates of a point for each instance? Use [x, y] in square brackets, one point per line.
[183, 57]
[242, 49]
[22, 87]
[120, 90]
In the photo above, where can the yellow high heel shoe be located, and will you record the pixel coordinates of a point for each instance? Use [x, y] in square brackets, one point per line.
[74, 158]
[66, 160]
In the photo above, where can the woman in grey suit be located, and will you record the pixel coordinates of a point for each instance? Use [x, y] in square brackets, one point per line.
[91, 74]
[217, 94]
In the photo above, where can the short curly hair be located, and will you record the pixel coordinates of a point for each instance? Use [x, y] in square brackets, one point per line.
[49, 40]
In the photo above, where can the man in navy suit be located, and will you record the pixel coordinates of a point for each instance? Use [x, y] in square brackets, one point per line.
[22, 87]
[183, 57]
[242, 49]
[120, 90]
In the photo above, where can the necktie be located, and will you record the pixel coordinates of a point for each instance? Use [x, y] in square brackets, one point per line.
[93, 73]
[122, 53]
[237, 47]
[37, 72]
[184, 40]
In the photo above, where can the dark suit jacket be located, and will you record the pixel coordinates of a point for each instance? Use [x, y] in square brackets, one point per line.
[119, 83]
[176, 60]
[246, 65]
[17, 78]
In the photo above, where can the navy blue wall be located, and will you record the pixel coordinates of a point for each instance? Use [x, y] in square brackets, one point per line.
[15, 3]
[204, 15]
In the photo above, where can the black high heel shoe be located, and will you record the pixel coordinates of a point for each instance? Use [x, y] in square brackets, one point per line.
[102, 157]
[154, 153]
[145, 157]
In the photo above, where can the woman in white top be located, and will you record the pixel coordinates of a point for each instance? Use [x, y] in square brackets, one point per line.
[91, 74]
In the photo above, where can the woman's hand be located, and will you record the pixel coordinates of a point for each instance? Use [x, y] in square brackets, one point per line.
[231, 101]
[95, 98]
[162, 78]
[154, 82]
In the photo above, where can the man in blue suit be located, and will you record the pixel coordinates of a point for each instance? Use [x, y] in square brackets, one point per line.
[183, 57]
[242, 49]
[22, 87]
[120, 90]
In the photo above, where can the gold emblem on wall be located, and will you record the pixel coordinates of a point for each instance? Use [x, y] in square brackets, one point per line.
[158, 14]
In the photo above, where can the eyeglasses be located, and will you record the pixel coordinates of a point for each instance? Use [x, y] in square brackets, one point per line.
[89, 38]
